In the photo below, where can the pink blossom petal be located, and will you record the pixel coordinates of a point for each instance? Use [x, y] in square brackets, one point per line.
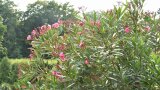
[54, 72]
[29, 37]
[81, 23]
[33, 32]
[127, 30]
[31, 56]
[147, 28]
[86, 61]
[48, 27]
[98, 24]
[62, 56]
[81, 44]
[55, 25]
[44, 27]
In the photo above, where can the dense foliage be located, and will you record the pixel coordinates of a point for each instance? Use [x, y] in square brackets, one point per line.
[8, 74]
[11, 19]
[114, 50]
[2, 31]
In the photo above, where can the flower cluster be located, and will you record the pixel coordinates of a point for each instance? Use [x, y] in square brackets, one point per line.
[58, 75]
[42, 30]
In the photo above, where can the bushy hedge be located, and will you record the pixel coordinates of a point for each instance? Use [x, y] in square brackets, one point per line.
[8, 74]
[114, 50]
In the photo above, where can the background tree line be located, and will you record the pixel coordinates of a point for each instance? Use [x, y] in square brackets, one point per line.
[20, 23]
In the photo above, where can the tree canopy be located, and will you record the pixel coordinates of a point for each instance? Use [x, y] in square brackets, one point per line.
[2, 30]
[11, 19]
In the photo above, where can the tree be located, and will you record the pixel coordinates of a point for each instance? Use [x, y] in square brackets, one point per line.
[2, 30]
[11, 19]
[39, 13]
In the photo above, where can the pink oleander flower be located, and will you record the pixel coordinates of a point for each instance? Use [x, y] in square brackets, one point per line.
[33, 33]
[48, 27]
[41, 31]
[44, 27]
[98, 24]
[62, 56]
[81, 23]
[127, 30]
[31, 56]
[29, 37]
[147, 28]
[81, 44]
[55, 25]
[55, 73]
[86, 61]
[58, 75]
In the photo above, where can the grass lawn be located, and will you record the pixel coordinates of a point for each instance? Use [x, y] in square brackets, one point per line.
[23, 60]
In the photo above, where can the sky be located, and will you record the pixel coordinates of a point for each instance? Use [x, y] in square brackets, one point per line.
[150, 5]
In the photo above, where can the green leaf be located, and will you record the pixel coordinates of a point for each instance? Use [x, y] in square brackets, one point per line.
[61, 31]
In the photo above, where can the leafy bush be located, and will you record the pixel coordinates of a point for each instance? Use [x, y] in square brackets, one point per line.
[117, 49]
[8, 75]
[5, 70]
[13, 73]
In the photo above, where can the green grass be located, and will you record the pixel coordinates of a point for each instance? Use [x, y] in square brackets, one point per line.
[23, 60]
[26, 60]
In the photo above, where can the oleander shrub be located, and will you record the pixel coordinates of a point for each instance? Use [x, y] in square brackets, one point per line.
[113, 50]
